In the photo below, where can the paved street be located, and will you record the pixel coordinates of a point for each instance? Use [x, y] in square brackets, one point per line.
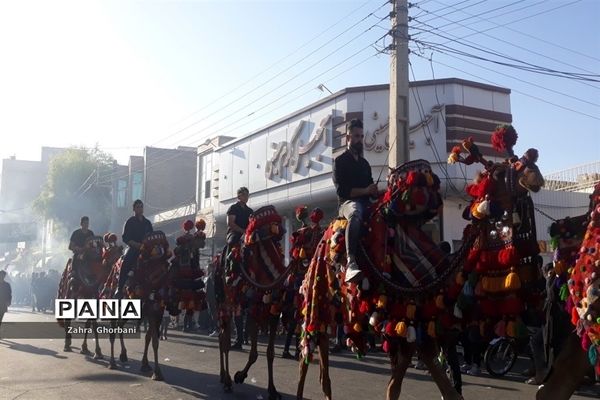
[34, 369]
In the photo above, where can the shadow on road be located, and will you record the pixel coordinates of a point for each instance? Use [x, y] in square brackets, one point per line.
[27, 348]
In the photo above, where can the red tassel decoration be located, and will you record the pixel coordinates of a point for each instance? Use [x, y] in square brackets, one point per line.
[574, 316]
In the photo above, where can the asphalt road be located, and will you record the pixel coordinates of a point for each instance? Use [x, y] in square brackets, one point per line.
[39, 369]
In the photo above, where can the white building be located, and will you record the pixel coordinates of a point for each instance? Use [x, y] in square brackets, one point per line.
[289, 162]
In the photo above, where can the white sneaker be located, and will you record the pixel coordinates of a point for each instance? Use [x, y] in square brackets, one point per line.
[474, 371]
[353, 272]
[465, 368]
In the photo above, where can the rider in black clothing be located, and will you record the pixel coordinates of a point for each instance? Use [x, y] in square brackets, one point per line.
[238, 216]
[134, 231]
[354, 185]
[78, 239]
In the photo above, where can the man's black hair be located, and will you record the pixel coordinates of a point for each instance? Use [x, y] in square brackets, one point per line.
[242, 190]
[355, 123]
[84, 218]
[138, 202]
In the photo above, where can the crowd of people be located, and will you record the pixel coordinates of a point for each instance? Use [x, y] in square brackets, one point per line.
[37, 289]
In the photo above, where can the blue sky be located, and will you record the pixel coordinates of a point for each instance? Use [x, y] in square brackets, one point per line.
[125, 74]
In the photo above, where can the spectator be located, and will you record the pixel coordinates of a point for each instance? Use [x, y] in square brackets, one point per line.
[5, 295]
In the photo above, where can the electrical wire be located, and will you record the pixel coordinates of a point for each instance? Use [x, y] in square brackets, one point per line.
[160, 162]
[531, 37]
[293, 64]
[514, 90]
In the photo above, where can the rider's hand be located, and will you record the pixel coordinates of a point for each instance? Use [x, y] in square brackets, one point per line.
[372, 189]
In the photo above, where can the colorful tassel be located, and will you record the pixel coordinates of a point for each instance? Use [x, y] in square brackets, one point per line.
[411, 310]
[512, 281]
[439, 301]
[401, 329]
[563, 292]
[302, 253]
[593, 355]
[574, 316]
[431, 331]
[560, 267]
[586, 342]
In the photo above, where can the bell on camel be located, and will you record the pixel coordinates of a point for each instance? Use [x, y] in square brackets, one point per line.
[302, 253]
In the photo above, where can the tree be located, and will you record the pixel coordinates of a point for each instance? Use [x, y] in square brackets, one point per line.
[74, 188]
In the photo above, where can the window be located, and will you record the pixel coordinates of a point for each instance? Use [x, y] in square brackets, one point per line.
[137, 186]
[207, 189]
[121, 193]
[206, 177]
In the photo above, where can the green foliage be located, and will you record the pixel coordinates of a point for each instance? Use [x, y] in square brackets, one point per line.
[67, 196]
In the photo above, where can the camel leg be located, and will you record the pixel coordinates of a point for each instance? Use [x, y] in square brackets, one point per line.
[400, 358]
[273, 323]
[324, 365]
[84, 347]
[303, 367]
[111, 338]
[147, 338]
[123, 356]
[97, 351]
[224, 345]
[567, 372]
[240, 376]
[68, 337]
[154, 324]
[428, 353]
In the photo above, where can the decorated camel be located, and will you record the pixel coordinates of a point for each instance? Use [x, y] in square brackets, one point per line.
[580, 289]
[398, 297]
[83, 281]
[251, 276]
[186, 277]
[158, 284]
[303, 242]
[497, 291]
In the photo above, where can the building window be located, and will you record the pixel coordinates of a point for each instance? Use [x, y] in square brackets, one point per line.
[121, 193]
[137, 186]
[207, 189]
[206, 198]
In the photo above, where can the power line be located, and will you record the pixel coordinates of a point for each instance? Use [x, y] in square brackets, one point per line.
[520, 19]
[295, 76]
[168, 158]
[476, 15]
[301, 86]
[514, 90]
[281, 85]
[455, 38]
[446, 7]
[443, 164]
[273, 77]
[317, 36]
[531, 83]
[312, 89]
[526, 66]
[532, 37]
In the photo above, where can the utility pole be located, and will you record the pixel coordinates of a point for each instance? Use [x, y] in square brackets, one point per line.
[399, 91]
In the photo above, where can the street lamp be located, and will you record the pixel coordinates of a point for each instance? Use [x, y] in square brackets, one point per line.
[322, 88]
